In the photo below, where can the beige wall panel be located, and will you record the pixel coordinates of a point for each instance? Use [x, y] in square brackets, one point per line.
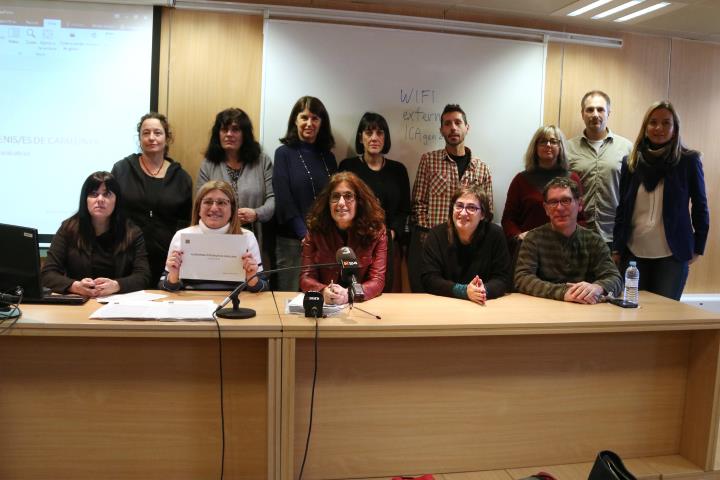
[553, 84]
[634, 76]
[695, 92]
[215, 62]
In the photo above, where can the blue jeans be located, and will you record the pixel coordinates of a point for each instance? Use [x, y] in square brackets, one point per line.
[288, 253]
[664, 276]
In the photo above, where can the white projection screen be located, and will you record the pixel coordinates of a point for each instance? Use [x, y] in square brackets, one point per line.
[74, 80]
[408, 77]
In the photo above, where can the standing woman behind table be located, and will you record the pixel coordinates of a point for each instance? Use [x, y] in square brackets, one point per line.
[214, 214]
[97, 252]
[389, 181]
[302, 167]
[157, 191]
[653, 224]
[235, 157]
[545, 159]
[346, 213]
[467, 257]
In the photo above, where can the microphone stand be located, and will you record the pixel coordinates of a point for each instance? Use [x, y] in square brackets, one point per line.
[238, 313]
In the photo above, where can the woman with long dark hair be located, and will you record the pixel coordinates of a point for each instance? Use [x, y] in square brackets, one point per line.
[345, 213]
[97, 251]
[662, 219]
[303, 165]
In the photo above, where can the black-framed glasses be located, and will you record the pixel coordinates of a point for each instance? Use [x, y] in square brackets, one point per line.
[471, 208]
[565, 202]
[553, 142]
[347, 196]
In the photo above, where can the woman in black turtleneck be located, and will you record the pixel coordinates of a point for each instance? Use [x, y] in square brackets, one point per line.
[653, 224]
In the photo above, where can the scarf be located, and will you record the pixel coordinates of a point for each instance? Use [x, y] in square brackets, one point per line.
[654, 161]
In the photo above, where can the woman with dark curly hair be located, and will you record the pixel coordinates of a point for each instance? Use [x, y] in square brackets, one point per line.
[345, 213]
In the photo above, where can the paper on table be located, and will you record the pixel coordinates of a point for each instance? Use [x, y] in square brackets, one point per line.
[173, 310]
[295, 306]
[213, 257]
[140, 295]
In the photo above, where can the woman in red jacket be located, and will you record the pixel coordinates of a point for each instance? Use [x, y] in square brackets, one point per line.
[346, 213]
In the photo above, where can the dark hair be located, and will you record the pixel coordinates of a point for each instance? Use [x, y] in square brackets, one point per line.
[369, 221]
[79, 226]
[482, 197]
[163, 121]
[453, 107]
[372, 121]
[325, 140]
[249, 148]
[595, 93]
[562, 182]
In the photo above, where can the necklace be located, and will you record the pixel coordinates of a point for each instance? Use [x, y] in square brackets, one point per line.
[147, 169]
[307, 170]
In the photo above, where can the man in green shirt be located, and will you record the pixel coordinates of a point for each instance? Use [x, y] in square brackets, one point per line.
[562, 260]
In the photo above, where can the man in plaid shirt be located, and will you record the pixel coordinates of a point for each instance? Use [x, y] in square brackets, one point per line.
[439, 175]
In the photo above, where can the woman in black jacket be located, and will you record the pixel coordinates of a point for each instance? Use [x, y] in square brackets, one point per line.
[97, 252]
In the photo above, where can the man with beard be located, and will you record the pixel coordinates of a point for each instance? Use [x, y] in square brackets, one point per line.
[596, 156]
[439, 175]
[562, 260]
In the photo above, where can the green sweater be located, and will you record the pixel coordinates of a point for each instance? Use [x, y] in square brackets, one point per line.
[548, 260]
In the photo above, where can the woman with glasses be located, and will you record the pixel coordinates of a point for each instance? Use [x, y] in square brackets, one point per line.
[345, 214]
[389, 181]
[234, 156]
[662, 219]
[97, 252]
[545, 159]
[214, 214]
[303, 164]
[467, 257]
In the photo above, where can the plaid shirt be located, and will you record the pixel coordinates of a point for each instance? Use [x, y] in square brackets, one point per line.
[436, 182]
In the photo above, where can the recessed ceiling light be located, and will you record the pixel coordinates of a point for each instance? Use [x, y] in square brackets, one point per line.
[652, 8]
[617, 9]
[587, 8]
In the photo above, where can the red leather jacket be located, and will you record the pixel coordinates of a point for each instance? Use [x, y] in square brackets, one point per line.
[322, 248]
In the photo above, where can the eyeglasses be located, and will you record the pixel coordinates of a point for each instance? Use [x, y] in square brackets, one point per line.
[471, 208]
[553, 142]
[347, 196]
[565, 202]
[221, 202]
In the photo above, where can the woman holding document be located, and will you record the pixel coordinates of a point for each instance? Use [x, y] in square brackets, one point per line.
[213, 214]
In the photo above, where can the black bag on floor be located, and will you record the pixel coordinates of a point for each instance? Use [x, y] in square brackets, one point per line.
[609, 466]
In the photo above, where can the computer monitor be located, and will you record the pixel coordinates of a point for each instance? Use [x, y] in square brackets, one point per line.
[19, 260]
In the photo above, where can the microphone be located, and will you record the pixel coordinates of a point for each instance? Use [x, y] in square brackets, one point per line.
[7, 298]
[235, 312]
[313, 304]
[349, 269]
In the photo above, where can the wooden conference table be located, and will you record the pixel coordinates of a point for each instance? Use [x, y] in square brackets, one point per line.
[436, 386]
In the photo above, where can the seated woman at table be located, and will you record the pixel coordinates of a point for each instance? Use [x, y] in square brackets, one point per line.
[97, 251]
[467, 257]
[214, 214]
[346, 213]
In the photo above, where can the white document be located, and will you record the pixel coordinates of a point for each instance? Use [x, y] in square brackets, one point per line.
[140, 295]
[213, 257]
[172, 310]
[295, 306]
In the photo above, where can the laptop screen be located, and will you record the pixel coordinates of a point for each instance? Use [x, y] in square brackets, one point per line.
[19, 260]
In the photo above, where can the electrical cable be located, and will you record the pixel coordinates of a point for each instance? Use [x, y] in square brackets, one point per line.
[312, 396]
[222, 399]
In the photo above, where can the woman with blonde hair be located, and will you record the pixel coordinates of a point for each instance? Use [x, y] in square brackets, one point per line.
[214, 214]
[662, 219]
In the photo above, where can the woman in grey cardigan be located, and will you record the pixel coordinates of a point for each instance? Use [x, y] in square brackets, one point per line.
[234, 156]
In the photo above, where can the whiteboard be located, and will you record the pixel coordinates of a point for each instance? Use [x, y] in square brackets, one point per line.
[408, 77]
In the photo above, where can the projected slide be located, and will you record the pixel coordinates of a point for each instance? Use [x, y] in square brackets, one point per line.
[74, 80]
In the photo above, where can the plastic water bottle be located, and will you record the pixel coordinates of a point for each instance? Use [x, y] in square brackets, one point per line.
[632, 279]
